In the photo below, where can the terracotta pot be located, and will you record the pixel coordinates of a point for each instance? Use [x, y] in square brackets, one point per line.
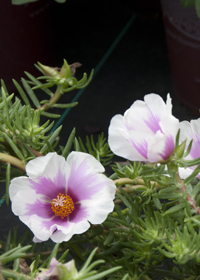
[182, 28]
[25, 39]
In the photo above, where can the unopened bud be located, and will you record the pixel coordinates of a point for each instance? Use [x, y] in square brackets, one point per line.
[49, 71]
[65, 71]
[179, 151]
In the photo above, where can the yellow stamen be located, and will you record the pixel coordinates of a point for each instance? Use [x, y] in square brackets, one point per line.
[62, 205]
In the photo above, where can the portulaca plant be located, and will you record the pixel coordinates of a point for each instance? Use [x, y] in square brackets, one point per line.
[140, 221]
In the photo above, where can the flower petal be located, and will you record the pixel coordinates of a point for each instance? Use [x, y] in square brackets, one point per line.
[88, 182]
[185, 172]
[78, 178]
[191, 131]
[78, 228]
[146, 132]
[40, 231]
[46, 165]
[160, 148]
[18, 184]
[124, 146]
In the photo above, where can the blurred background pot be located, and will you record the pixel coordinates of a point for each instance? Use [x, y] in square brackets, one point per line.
[141, 6]
[182, 28]
[26, 37]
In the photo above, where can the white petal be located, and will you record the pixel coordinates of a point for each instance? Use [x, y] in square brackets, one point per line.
[18, 184]
[62, 235]
[20, 200]
[157, 105]
[45, 166]
[119, 139]
[36, 240]
[94, 166]
[169, 104]
[185, 172]
[170, 126]
[146, 116]
[105, 193]
[195, 124]
[40, 232]
[59, 236]
[99, 212]
[185, 131]
[191, 131]
[156, 147]
[135, 117]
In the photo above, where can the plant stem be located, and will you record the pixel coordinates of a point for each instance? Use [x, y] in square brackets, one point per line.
[131, 189]
[13, 161]
[45, 253]
[137, 182]
[8, 273]
[52, 100]
[183, 190]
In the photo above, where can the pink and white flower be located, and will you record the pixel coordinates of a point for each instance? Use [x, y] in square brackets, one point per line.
[146, 132]
[60, 197]
[56, 269]
[190, 131]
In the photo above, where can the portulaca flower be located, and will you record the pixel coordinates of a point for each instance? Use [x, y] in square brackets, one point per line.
[190, 131]
[146, 132]
[59, 271]
[59, 198]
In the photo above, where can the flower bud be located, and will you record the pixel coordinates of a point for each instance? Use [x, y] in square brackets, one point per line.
[65, 71]
[49, 71]
[179, 151]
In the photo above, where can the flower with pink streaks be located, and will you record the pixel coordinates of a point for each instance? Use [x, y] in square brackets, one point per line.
[146, 132]
[190, 131]
[60, 198]
[55, 271]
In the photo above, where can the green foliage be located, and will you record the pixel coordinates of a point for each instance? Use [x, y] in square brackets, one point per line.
[100, 150]
[156, 219]
[62, 78]
[24, 133]
[10, 262]
[21, 131]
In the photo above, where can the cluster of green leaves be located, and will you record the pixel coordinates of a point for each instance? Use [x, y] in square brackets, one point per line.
[39, 258]
[20, 124]
[63, 77]
[21, 133]
[152, 224]
[153, 231]
[24, 132]
[100, 150]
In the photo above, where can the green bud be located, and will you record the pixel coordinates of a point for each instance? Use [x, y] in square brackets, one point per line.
[179, 151]
[67, 271]
[65, 71]
[49, 71]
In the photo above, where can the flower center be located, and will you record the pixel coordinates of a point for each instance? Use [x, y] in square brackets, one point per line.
[62, 205]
